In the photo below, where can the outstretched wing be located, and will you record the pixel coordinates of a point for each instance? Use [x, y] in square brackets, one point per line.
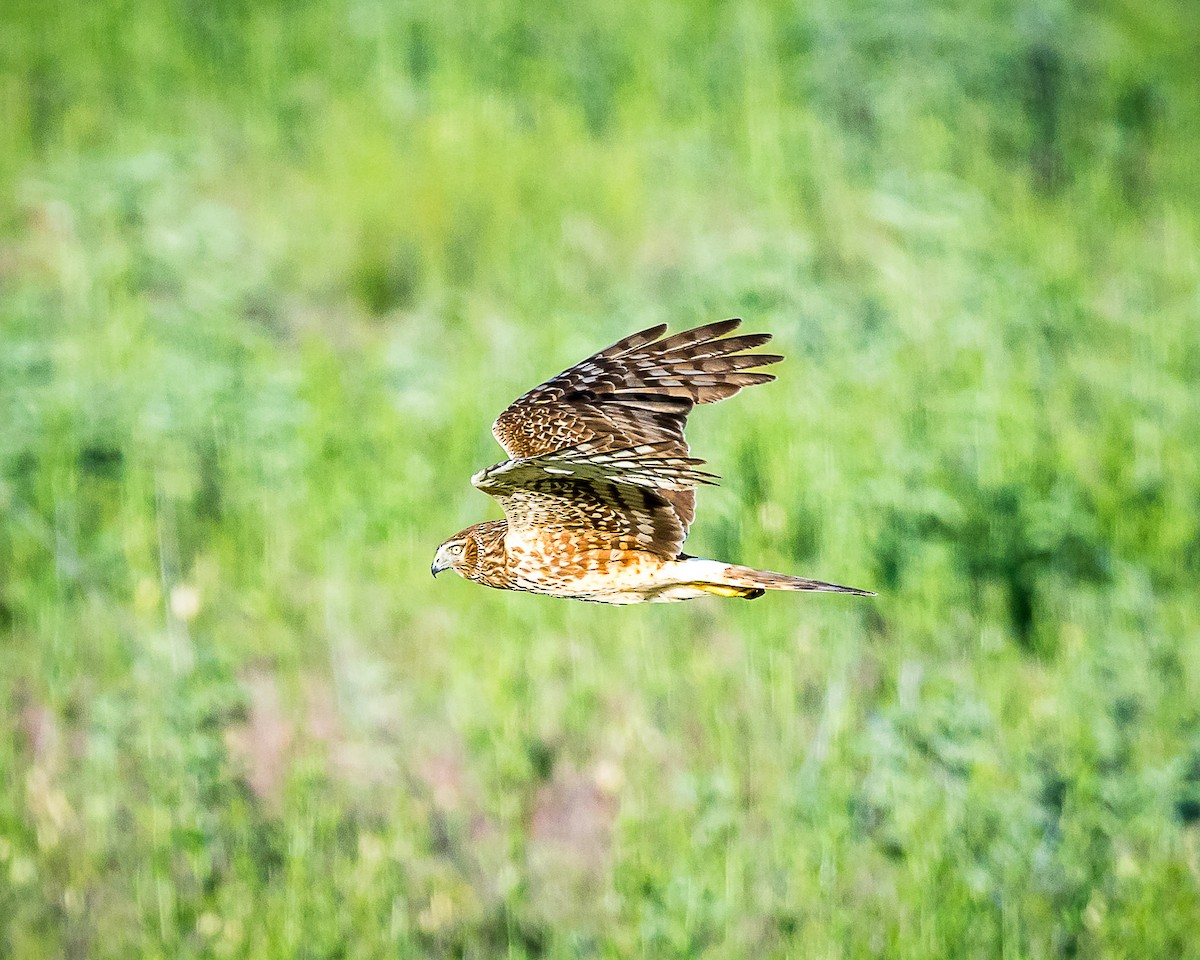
[587, 498]
[638, 391]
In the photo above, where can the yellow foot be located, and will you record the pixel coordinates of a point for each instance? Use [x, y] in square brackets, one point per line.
[723, 590]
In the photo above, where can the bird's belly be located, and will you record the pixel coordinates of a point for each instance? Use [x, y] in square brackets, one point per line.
[604, 576]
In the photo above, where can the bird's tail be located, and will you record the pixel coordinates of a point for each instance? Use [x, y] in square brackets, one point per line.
[730, 580]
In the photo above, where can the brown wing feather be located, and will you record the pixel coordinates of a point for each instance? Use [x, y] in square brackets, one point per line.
[638, 391]
[567, 517]
[589, 498]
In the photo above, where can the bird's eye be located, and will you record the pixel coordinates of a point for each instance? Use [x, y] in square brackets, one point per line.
[456, 548]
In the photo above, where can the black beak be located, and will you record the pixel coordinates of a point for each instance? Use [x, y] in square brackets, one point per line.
[434, 569]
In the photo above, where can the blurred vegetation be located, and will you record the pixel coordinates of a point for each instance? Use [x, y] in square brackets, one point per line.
[269, 269]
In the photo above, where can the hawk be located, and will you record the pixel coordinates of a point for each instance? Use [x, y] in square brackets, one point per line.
[600, 489]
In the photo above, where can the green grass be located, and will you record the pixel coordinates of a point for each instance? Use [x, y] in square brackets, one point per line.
[269, 270]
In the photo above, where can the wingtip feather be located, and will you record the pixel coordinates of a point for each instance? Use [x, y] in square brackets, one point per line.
[706, 333]
[634, 341]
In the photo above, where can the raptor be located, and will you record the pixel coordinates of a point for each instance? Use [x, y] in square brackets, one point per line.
[600, 487]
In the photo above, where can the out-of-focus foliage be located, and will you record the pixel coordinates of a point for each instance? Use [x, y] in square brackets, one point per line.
[269, 269]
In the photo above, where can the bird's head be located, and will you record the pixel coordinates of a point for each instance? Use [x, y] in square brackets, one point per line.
[460, 553]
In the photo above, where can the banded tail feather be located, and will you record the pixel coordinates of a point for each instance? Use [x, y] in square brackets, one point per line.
[731, 580]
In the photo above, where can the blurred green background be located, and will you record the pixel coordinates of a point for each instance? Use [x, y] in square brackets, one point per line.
[268, 270]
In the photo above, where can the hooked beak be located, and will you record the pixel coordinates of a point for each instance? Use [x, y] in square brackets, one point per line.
[436, 567]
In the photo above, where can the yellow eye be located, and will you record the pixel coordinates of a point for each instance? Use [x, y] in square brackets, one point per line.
[456, 548]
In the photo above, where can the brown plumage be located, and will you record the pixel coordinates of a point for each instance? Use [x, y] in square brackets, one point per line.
[600, 490]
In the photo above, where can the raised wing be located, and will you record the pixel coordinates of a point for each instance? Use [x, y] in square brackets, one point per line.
[594, 498]
[638, 391]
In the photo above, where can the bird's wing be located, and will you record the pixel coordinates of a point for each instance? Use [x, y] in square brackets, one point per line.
[638, 391]
[587, 498]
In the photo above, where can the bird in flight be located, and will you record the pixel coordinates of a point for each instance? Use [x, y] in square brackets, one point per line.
[600, 489]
